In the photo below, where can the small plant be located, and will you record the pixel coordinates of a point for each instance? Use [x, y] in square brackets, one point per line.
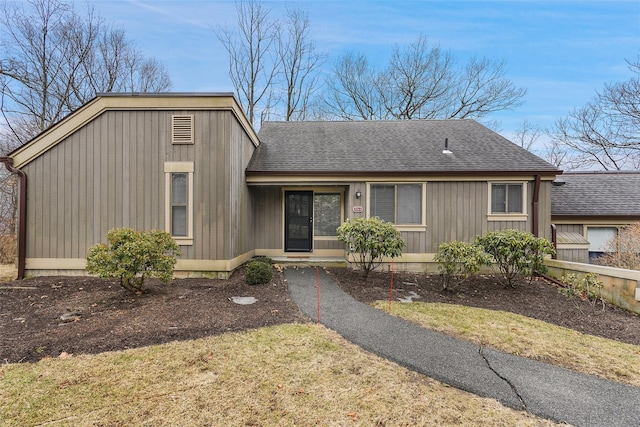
[258, 272]
[370, 240]
[264, 259]
[133, 256]
[8, 249]
[587, 287]
[516, 253]
[457, 261]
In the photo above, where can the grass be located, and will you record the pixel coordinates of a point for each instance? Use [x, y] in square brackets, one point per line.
[282, 375]
[528, 337]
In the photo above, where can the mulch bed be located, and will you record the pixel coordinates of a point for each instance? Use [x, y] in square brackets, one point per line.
[111, 318]
[539, 299]
[101, 316]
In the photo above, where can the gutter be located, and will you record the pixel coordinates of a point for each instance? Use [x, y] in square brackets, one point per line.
[396, 173]
[22, 215]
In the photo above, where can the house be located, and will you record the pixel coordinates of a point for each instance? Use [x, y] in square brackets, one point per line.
[191, 164]
[587, 209]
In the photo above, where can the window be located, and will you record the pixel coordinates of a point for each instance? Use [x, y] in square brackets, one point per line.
[507, 198]
[182, 129]
[179, 201]
[179, 196]
[397, 203]
[599, 238]
[327, 214]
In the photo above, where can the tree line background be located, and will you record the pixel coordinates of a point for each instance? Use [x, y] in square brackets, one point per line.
[55, 56]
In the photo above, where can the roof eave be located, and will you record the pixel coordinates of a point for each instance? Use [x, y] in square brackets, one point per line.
[587, 217]
[402, 173]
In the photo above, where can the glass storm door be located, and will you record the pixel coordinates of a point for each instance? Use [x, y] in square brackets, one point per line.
[298, 221]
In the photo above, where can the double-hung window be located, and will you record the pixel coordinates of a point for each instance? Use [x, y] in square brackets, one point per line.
[179, 201]
[397, 203]
[507, 199]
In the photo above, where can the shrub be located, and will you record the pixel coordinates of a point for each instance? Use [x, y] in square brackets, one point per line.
[516, 253]
[588, 287]
[370, 240]
[133, 256]
[264, 259]
[8, 249]
[623, 250]
[258, 272]
[457, 261]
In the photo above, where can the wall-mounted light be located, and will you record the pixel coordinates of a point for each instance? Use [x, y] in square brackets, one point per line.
[358, 194]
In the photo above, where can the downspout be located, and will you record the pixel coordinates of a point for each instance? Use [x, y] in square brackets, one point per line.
[22, 215]
[536, 197]
[554, 240]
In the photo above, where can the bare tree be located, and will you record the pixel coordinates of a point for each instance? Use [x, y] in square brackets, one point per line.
[605, 133]
[300, 63]
[253, 59]
[623, 250]
[482, 88]
[56, 60]
[527, 135]
[419, 82]
[354, 92]
[555, 154]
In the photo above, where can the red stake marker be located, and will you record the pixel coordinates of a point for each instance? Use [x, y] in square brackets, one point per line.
[391, 286]
[318, 295]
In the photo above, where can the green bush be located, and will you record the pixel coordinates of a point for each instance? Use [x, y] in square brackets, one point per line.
[264, 259]
[133, 256]
[588, 287]
[457, 261]
[370, 240]
[258, 272]
[516, 253]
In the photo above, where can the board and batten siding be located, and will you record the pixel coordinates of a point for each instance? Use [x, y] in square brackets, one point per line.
[110, 173]
[455, 210]
[268, 221]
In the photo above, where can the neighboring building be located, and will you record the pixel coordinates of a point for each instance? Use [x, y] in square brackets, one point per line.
[589, 207]
[192, 165]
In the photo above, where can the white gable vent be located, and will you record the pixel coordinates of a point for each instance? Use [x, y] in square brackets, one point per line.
[182, 129]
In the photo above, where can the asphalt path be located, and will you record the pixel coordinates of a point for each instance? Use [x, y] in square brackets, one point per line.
[541, 389]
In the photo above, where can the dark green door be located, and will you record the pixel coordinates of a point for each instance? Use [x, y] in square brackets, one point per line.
[298, 221]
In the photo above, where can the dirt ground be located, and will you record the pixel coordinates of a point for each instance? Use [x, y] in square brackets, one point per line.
[52, 316]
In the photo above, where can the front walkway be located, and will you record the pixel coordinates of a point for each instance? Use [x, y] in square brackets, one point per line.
[540, 389]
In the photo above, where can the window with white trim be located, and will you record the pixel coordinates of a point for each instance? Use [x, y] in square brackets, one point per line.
[396, 203]
[179, 201]
[327, 214]
[507, 198]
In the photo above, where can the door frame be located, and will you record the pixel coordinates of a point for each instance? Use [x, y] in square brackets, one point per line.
[309, 246]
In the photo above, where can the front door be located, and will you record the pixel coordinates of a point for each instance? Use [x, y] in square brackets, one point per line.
[298, 221]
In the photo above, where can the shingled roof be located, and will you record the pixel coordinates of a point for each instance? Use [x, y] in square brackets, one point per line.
[597, 194]
[408, 147]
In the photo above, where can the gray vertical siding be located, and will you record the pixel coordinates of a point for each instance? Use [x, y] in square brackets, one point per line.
[268, 227]
[110, 173]
[571, 228]
[574, 255]
[455, 210]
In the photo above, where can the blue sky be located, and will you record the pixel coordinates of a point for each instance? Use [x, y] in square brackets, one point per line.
[560, 51]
